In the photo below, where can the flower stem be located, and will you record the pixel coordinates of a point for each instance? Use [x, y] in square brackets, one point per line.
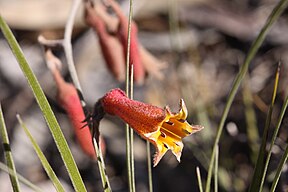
[149, 165]
[129, 92]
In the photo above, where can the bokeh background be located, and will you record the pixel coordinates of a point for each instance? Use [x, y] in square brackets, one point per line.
[203, 43]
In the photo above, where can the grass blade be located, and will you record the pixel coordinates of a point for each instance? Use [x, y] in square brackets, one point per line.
[101, 166]
[21, 179]
[259, 169]
[216, 170]
[8, 154]
[279, 170]
[45, 163]
[254, 48]
[45, 108]
[129, 92]
[199, 179]
[149, 165]
[283, 110]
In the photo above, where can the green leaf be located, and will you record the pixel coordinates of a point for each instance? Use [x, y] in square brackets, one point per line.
[285, 155]
[274, 134]
[259, 168]
[45, 108]
[8, 154]
[23, 180]
[42, 158]
[277, 11]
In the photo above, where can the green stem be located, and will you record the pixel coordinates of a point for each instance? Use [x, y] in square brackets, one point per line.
[45, 108]
[129, 92]
[216, 170]
[101, 166]
[22, 179]
[48, 169]
[275, 131]
[149, 164]
[8, 154]
[279, 170]
[254, 48]
[199, 179]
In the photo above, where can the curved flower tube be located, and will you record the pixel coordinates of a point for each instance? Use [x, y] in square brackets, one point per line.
[68, 98]
[164, 129]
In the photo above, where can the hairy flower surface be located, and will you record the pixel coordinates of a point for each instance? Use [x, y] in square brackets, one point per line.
[164, 129]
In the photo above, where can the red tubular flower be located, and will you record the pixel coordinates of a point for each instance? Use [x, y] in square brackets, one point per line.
[122, 33]
[164, 129]
[110, 46]
[70, 101]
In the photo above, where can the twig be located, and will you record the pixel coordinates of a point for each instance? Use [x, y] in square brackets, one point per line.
[67, 43]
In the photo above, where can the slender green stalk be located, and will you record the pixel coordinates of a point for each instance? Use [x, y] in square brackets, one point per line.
[71, 66]
[274, 135]
[129, 91]
[259, 167]
[8, 154]
[279, 170]
[199, 179]
[216, 170]
[254, 48]
[45, 108]
[51, 174]
[101, 166]
[132, 133]
[22, 179]
[149, 165]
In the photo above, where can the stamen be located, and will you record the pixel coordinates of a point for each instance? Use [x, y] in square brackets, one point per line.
[170, 123]
[186, 132]
[163, 135]
[166, 146]
[181, 120]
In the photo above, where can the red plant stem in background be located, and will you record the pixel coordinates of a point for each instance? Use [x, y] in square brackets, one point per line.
[110, 46]
[70, 101]
[122, 33]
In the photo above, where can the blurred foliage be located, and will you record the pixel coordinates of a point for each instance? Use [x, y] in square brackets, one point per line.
[203, 53]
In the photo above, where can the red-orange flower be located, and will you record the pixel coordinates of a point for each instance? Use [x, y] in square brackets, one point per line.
[161, 127]
[112, 33]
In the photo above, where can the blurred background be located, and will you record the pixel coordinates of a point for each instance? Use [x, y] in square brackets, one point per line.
[203, 43]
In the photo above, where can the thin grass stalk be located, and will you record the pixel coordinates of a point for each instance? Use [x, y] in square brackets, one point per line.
[274, 136]
[259, 167]
[199, 179]
[8, 154]
[21, 179]
[101, 165]
[67, 45]
[48, 169]
[279, 170]
[216, 169]
[129, 89]
[48, 114]
[254, 48]
[149, 165]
